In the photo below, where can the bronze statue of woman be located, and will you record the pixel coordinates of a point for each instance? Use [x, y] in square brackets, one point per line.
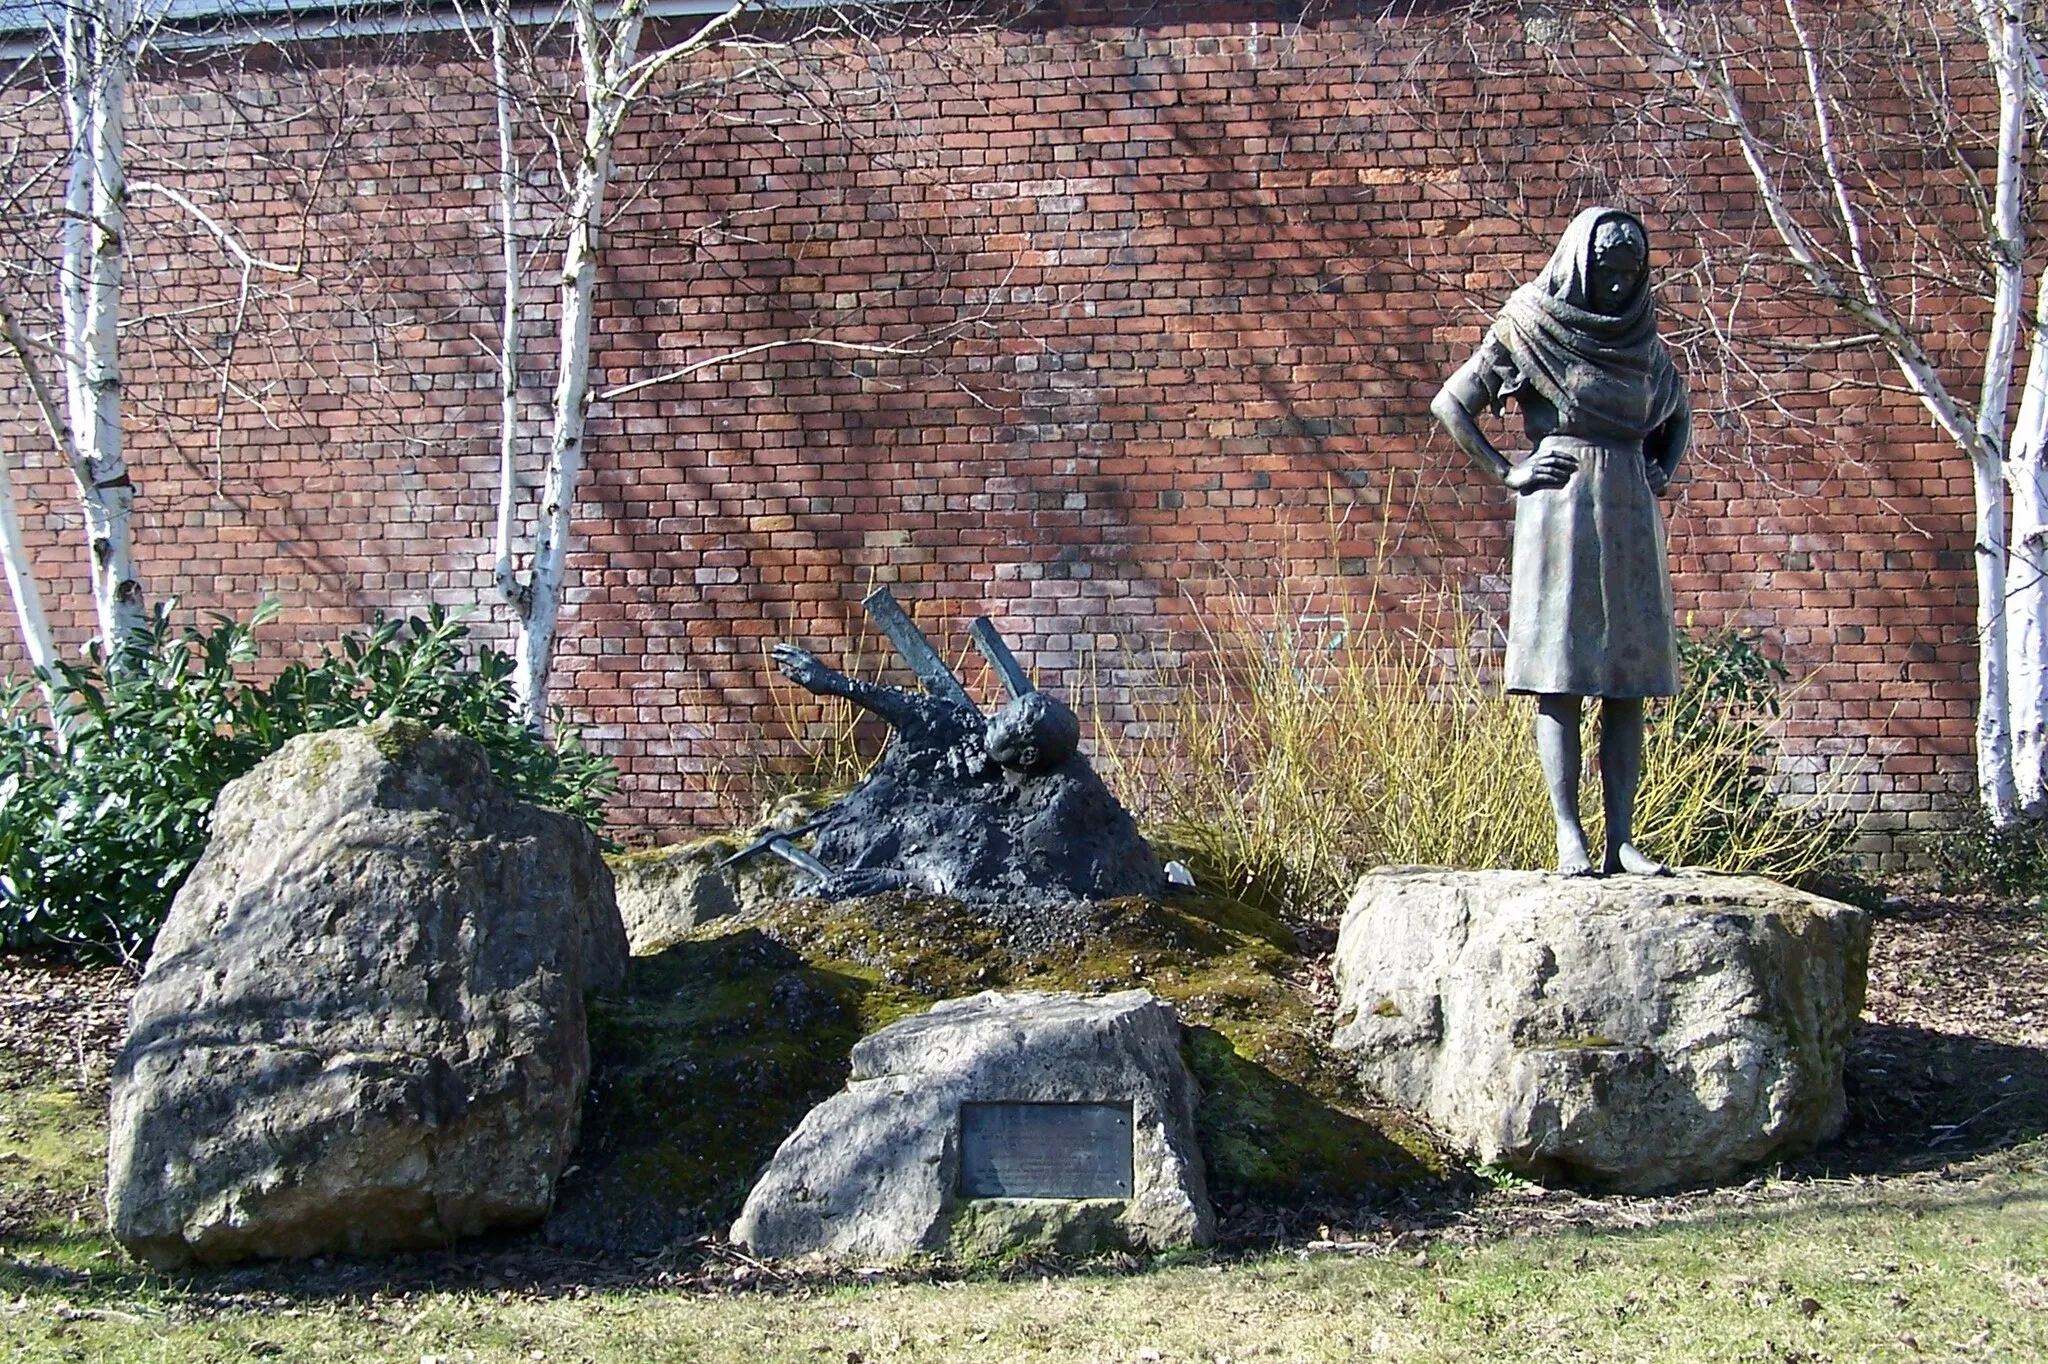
[1589, 598]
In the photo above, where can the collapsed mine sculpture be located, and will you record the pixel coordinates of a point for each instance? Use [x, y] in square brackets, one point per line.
[964, 805]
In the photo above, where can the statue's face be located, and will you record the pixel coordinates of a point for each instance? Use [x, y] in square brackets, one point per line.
[1618, 264]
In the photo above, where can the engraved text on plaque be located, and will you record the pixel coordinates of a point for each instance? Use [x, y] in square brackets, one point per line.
[1045, 1150]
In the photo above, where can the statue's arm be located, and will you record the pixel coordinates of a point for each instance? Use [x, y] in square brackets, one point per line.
[1458, 404]
[808, 671]
[1667, 446]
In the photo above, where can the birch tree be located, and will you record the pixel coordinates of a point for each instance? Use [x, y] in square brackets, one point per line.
[611, 75]
[22, 587]
[97, 62]
[92, 38]
[71, 355]
[1824, 153]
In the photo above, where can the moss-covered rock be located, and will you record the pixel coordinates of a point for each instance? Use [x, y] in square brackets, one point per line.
[1001, 1228]
[719, 1046]
[708, 1058]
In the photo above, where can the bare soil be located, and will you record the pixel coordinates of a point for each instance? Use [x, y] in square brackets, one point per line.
[61, 1020]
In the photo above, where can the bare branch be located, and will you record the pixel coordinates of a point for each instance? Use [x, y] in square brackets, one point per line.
[213, 225]
[745, 352]
[1716, 80]
[633, 81]
[54, 416]
[503, 575]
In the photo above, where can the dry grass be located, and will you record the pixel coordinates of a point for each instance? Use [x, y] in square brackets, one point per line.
[1300, 747]
[827, 744]
[1288, 758]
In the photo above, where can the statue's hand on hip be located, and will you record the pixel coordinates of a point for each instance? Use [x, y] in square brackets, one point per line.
[1659, 476]
[1544, 469]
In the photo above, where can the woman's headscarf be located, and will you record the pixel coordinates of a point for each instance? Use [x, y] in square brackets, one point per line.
[1605, 374]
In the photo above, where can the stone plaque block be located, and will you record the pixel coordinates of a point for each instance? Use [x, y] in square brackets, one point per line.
[1045, 1150]
[875, 1173]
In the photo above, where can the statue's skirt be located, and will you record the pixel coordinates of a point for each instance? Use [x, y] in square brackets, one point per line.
[1589, 597]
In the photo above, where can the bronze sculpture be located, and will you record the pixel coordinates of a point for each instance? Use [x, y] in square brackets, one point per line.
[1589, 602]
[977, 808]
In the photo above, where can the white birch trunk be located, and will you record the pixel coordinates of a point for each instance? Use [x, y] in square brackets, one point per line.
[502, 574]
[2002, 23]
[1995, 781]
[612, 80]
[36, 639]
[92, 325]
[604, 67]
[2027, 588]
[22, 586]
[2027, 636]
[74, 274]
[28, 602]
[535, 649]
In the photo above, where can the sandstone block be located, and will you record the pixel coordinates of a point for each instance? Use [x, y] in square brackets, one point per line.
[1627, 1033]
[663, 893]
[875, 1173]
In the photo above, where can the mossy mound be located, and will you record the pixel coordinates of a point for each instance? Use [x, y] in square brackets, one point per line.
[719, 1045]
[708, 1058]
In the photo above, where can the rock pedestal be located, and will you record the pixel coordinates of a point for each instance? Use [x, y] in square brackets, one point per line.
[989, 1122]
[1626, 1033]
[362, 1025]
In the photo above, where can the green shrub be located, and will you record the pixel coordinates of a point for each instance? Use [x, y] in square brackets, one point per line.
[1977, 855]
[97, 836]
[1708, 753]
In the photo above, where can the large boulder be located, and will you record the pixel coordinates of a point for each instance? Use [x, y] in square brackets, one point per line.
[992, 1121]
[1626, 1033]
[362, 1025]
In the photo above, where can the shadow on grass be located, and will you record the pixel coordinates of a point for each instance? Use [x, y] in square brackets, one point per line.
[1794, 1202]
[534, 1270]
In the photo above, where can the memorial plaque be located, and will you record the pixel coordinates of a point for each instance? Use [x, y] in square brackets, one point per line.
[1045, 1150]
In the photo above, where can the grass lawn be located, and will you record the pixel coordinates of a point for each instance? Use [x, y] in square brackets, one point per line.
[1934, 1266]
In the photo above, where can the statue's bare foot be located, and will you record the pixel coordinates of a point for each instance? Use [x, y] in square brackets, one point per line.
[1633, 860]
[1572, 857]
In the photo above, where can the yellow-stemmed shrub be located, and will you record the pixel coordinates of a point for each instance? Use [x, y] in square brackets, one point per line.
[1287, 757]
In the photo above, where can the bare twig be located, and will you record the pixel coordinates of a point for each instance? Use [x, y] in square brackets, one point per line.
[213, 226]
[760, 348]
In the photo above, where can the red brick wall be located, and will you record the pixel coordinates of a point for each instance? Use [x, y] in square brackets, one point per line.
[1204, 278]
